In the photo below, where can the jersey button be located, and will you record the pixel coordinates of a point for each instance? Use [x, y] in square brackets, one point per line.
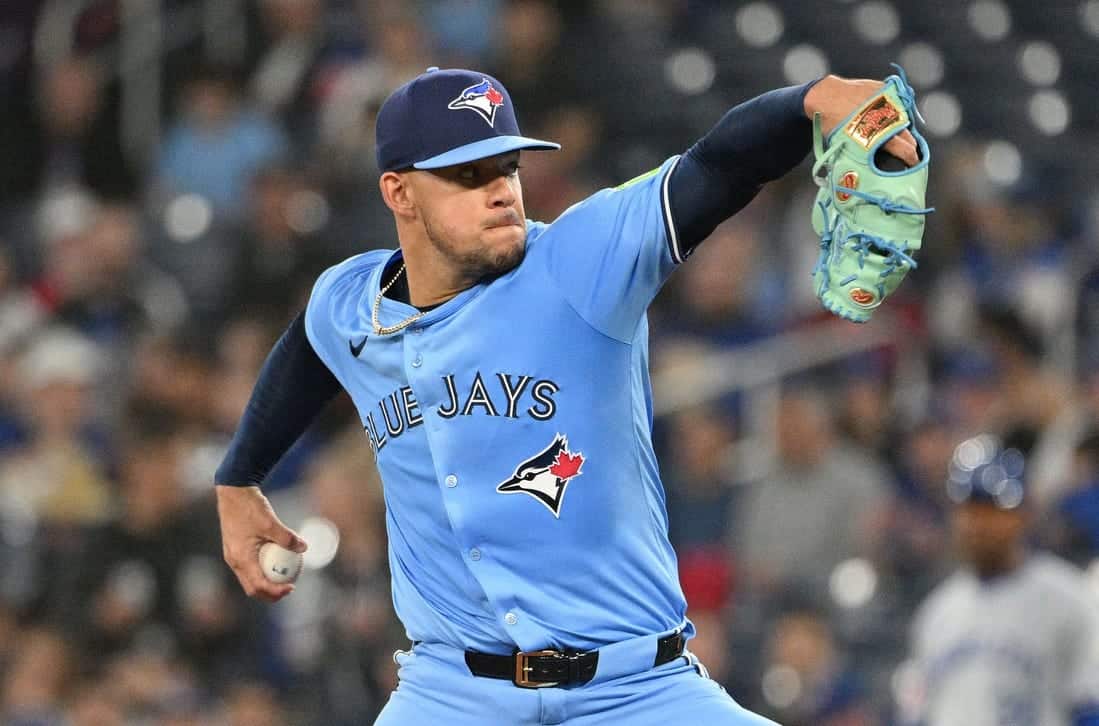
[451, 481]
[511, 618]
[417, 361]
[475, 554]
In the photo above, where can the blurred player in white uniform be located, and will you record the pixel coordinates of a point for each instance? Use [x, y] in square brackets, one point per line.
[1012, 637]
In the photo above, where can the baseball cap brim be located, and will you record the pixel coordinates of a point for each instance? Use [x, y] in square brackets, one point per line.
[483, 149]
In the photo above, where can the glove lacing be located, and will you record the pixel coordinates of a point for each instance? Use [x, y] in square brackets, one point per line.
[894, 257]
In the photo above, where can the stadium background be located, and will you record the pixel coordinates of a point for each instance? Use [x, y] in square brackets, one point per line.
[174, 173]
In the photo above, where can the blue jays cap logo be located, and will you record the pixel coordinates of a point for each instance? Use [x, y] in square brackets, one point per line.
[481, 97]
[545, 475]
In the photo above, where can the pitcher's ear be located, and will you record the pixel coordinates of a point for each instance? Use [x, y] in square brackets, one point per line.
[397, 193]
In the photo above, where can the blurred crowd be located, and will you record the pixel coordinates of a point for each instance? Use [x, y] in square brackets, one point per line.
[140, 293]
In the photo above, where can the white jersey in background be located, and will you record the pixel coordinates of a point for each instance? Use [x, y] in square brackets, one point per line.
[1017, 650]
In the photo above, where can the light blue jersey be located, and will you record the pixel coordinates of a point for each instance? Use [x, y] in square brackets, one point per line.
[512, 430]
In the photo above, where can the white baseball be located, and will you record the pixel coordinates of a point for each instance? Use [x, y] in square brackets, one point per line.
[279, 564]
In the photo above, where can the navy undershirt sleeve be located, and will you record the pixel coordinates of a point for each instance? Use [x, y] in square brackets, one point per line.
[755, 142]
[292, 389]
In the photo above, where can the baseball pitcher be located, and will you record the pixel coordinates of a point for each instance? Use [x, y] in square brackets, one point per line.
[499, 367]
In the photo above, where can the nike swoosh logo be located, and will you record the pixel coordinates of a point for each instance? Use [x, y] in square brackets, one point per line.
[356, 349]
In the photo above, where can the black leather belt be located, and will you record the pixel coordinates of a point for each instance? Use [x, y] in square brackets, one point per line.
[543, 668]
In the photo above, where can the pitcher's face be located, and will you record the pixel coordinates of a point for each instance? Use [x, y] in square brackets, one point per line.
[473, 214]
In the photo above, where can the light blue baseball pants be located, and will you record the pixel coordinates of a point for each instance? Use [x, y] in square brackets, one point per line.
[436, 688]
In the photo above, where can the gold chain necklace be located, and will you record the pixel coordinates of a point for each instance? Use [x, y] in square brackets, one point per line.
[388, 330]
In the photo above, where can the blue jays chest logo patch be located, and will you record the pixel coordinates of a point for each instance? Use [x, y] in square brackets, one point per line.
[545, 475]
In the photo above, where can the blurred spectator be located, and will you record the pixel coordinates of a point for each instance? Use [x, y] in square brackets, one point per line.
[1012, 636]
[1034, 399]
[464, 31]
[70, 138]
[171, 375]
[1011, 253]
[400, 53]
[805, 681]
[57, 475]
[218, 143]
[722, 300]
[155, 571]
[34, 682]
[825, 501]
[867, 416]
[967, 388]
[20, 309]
[697, 483]
[539, 76]
[283, 80]
[242, 347]
[917, 550]
[68, 275]
[349, 102]
[253, 704]
[152, 687]
[1031, 395]
[20, 315]
[93, 704]
[280, 254]
[98, 280]
[554, 182]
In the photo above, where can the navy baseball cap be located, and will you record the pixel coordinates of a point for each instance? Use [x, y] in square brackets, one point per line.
[982, 470]
[446, 117]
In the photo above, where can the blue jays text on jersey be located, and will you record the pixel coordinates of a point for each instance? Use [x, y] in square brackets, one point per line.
[512, 431]
[399, 411]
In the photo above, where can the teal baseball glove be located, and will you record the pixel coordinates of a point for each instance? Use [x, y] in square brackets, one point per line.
[870, 219]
